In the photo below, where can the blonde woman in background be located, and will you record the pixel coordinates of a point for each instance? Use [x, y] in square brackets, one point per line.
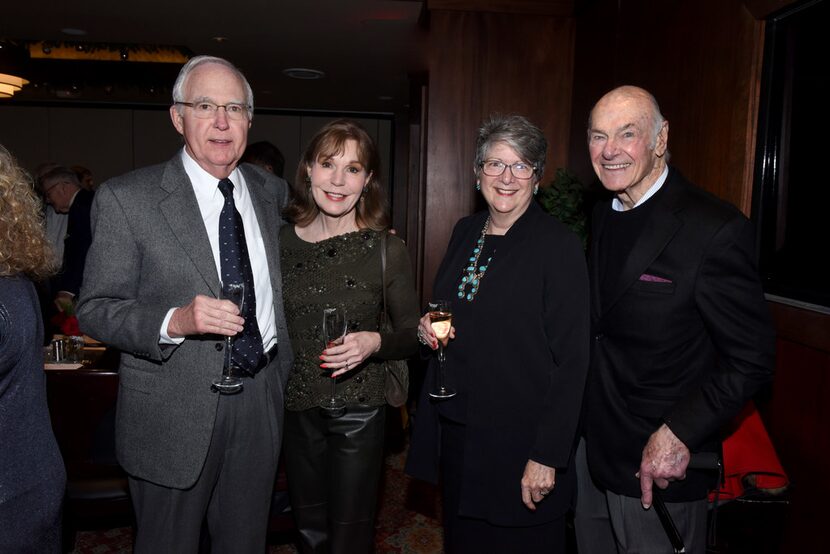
[32, 476]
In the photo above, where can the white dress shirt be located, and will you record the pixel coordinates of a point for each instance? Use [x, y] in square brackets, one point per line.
[211, 201]
[617, 206]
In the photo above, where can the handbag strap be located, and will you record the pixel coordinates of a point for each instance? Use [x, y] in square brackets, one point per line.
[383, 273]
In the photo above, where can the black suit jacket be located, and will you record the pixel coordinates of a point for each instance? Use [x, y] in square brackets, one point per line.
[523, 351]
[76, 244]
[688, 348]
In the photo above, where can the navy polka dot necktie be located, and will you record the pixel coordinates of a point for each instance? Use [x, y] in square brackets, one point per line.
[236, 268]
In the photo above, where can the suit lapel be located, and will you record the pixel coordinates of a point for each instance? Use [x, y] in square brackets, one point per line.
[659, 229]
[181, 210]
[268, 216]
[596, 232]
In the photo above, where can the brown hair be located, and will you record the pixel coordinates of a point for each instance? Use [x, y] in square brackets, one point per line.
[24, 247]
[371, 211]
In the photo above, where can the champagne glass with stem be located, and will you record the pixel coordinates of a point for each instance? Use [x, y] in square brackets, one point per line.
[229, 383]
[334, 332]
[440, 318]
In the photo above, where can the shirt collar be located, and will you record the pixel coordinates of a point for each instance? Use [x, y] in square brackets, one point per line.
[204, 184]
[618, 206]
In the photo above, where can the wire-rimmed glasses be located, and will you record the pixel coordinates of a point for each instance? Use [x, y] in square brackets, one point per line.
[520, 170]
[207, 110]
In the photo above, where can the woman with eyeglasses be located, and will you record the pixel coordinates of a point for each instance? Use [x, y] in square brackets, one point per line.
[516, 356]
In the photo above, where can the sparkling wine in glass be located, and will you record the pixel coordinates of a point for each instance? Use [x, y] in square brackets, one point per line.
[440, 318]
[334, 332]
[229, 382]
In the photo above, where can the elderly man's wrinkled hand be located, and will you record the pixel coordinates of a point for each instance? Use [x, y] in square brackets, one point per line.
[665, 459]
[206, 315]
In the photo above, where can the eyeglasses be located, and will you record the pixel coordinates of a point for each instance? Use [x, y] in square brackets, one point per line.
[520, 170]
[49, 192]
[207, 110]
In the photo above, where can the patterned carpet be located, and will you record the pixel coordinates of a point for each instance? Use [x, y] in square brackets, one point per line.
[408, 519]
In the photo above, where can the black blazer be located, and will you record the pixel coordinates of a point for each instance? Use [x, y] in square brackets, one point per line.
[524, 355]
[76, 244]
[685, 338]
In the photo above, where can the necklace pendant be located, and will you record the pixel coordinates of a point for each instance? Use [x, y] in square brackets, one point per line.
[473, 273]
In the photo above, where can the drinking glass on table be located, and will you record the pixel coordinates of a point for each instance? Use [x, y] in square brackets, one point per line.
[334, 332]
[230, 383]
[440, 318]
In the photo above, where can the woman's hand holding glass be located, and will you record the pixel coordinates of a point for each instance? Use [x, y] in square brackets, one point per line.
[426, 335]
[356, 347]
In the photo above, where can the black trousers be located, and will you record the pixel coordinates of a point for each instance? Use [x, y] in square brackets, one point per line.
[233, 492]
[333, 468]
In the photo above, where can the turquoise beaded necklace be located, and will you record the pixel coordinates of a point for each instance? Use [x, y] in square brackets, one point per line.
[473, 274]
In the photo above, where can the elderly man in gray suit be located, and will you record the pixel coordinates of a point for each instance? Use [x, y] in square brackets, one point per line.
[152, 289]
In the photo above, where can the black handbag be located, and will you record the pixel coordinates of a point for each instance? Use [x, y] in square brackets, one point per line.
[396, 383]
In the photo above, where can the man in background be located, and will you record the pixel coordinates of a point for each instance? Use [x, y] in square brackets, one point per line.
[62, 190]
[265, 155]
[165, 238]
[682, 335]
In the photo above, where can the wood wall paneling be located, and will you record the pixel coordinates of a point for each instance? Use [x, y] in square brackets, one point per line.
[482, 63]
[700, 60]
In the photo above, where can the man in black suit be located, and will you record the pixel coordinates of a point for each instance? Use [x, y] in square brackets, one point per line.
[682, 335]
[64, 193]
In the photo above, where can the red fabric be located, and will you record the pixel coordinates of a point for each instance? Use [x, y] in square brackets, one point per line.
[748, 450]
[68, 324]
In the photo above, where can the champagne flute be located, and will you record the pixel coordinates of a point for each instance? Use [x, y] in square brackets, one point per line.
[440, 318]
[229, 383]
[334, 332]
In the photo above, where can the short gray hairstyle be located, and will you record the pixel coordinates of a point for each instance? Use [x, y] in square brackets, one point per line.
[57, 175]
[193, 63]
[519, 134]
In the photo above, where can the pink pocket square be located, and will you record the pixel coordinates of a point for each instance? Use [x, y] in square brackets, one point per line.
[653, 278]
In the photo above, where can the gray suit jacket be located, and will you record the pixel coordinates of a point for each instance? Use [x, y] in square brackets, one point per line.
[150, 252]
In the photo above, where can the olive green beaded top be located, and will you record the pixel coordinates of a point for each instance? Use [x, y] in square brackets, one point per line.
[345, 272]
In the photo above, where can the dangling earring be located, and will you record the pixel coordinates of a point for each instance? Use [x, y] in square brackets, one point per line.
[535, 189]
[478, 185]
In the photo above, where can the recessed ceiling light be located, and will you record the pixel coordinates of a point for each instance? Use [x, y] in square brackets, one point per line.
[303, 73]
[384, 97]
[73, 32]
[219, 39]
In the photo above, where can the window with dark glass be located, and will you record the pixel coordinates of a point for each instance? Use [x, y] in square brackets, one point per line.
[792, 194]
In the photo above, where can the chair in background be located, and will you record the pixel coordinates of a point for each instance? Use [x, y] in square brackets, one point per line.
[82, 408]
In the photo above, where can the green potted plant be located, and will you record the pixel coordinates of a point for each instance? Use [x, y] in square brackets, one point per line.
[564, 198]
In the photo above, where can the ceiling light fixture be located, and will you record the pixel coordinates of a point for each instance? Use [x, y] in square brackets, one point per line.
[12, 66]
[106, 51]
[303, 73]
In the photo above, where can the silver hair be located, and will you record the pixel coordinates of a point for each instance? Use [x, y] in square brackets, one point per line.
[657, 118]
[193, 63]
[519, 134]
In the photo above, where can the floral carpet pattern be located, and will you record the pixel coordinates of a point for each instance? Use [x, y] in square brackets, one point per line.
[408, 520]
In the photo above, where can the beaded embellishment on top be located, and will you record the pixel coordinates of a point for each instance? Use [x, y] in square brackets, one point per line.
[473, 274]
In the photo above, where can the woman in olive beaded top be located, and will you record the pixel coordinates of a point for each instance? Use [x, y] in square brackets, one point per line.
[330, 257]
